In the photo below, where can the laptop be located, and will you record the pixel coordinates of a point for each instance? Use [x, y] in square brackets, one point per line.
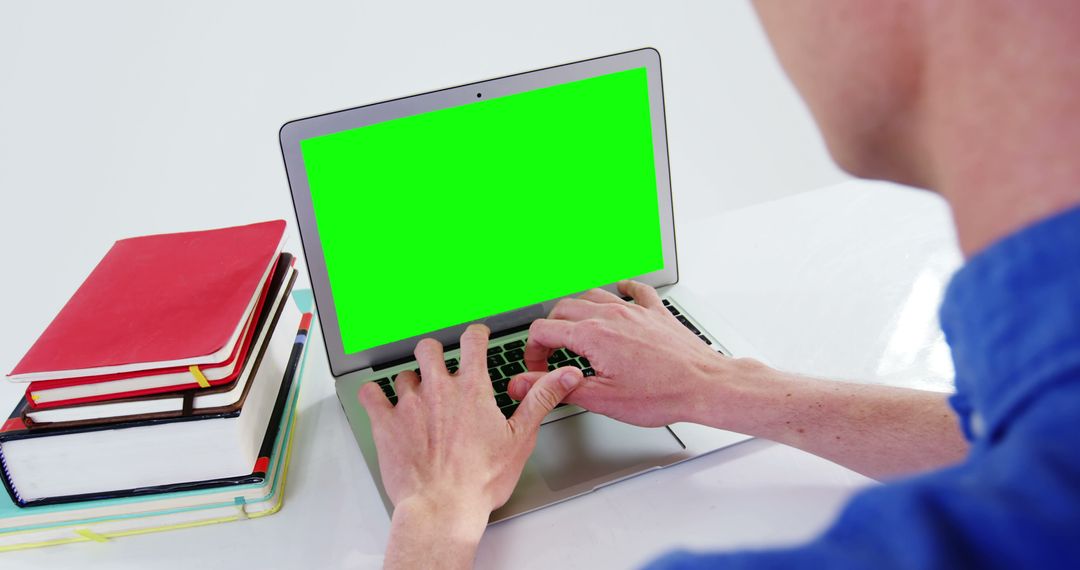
[487, 203]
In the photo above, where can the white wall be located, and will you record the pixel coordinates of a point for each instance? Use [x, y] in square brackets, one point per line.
[123, 118]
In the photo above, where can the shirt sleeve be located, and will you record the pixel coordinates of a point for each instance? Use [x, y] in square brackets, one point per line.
[1016, 506]
[885, 527]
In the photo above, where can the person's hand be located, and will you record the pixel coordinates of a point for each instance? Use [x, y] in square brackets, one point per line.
[446, 446]
[650, 370]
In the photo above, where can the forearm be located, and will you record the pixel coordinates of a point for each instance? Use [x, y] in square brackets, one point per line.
[879, 431]
[425, 534]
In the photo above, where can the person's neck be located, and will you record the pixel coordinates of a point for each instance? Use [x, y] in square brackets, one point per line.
[1003, 123]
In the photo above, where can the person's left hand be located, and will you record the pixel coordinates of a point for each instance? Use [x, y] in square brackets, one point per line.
[446, 445]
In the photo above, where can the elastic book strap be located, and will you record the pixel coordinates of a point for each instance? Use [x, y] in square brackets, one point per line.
[199, 378]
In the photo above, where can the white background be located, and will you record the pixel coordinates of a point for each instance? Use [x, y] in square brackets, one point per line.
[126, 118]
[119, 119]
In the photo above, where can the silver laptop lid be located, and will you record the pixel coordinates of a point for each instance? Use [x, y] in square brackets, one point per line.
[486, 202]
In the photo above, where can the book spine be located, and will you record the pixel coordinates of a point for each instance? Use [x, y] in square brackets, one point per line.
[12, 491]
[12, 426]
[267, 446]
[14, 420]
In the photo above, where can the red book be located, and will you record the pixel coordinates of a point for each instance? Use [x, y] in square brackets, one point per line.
[158, 301]
[66, 392]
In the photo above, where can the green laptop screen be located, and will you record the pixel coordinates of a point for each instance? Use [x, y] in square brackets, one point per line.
[437, 219]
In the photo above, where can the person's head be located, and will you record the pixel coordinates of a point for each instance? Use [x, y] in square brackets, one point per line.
[902, 89]
[859, 67]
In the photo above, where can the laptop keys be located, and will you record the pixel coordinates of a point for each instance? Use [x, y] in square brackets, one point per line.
[686, 322]
[502, 365]
[512, 369]
[506, 360]
[500, 375]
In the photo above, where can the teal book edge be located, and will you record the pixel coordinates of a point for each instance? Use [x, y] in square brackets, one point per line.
[304, 300]
[8, 510]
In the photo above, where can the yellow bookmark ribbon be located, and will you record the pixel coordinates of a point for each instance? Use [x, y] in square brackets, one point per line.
[199, 378]
[86, 533]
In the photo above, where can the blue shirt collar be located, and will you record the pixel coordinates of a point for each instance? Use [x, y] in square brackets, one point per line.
[1012, 318]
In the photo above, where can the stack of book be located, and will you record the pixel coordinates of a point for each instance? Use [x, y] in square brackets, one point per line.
[162, 395]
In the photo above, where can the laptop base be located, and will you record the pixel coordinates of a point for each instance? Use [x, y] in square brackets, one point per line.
[577, 451]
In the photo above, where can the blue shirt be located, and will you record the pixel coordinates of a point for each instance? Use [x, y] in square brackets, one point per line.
[1012, 318]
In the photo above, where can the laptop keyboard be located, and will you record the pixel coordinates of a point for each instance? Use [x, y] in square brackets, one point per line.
[505, 359]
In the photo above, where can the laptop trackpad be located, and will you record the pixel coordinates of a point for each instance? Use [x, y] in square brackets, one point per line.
[589, 446]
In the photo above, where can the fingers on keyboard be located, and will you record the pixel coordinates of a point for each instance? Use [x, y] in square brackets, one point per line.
[507, 359]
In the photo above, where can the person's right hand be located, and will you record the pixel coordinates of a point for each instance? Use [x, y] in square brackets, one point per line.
[650, 370]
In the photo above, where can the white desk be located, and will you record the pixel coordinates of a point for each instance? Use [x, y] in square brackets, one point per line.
[841, 282]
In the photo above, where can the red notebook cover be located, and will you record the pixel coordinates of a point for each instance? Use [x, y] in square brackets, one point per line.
[168, 299]
[237, 359]
[239, 353]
